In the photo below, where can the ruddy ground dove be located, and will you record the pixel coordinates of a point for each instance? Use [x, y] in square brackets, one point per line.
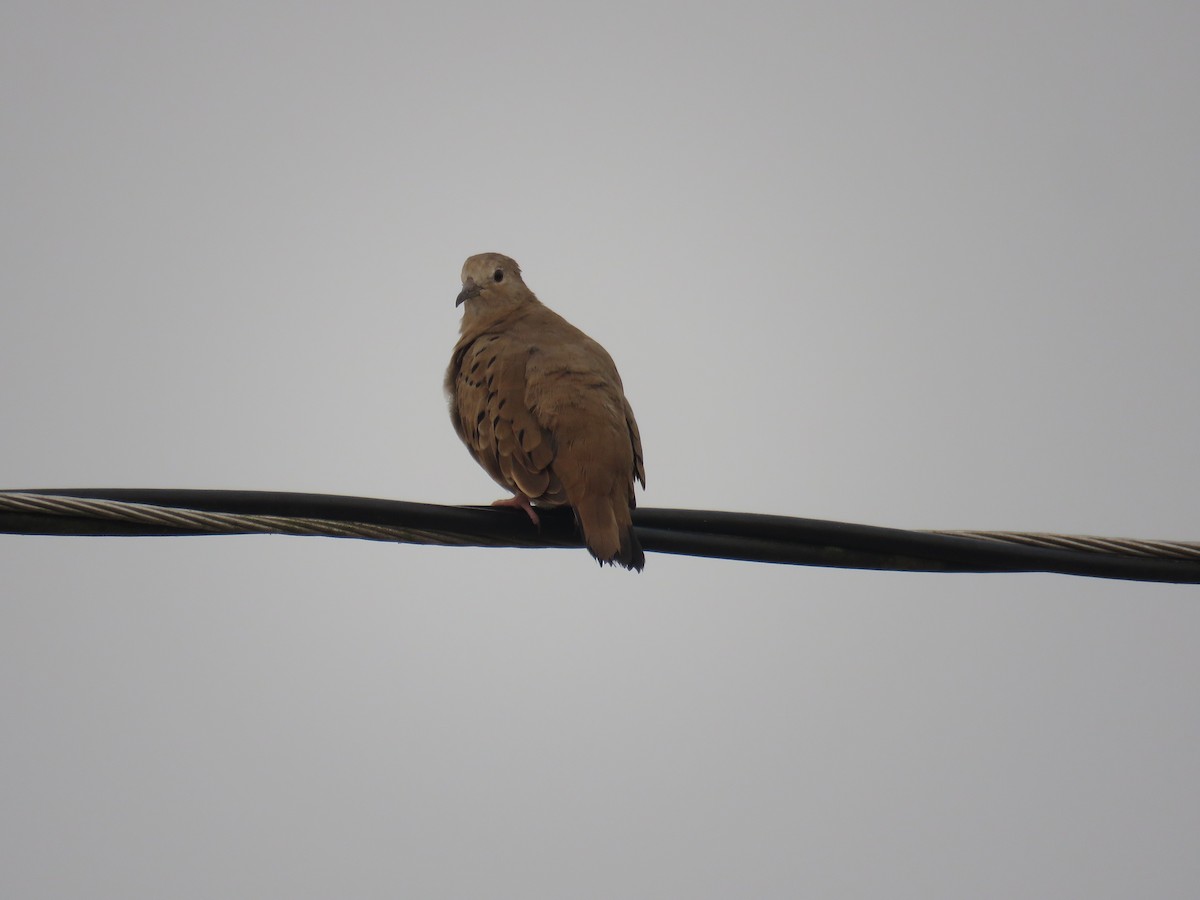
[541, 407]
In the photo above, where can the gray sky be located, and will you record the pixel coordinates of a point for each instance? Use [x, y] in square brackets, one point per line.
[922, 265]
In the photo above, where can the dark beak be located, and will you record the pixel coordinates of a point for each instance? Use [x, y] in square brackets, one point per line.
[470, 289]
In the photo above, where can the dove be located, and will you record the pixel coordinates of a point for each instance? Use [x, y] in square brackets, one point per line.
[541, 408]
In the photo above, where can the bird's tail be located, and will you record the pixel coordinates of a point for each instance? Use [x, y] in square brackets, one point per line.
[630, 554]
[608, 532]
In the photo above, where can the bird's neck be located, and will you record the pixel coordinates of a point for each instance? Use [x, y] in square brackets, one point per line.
[482, 314]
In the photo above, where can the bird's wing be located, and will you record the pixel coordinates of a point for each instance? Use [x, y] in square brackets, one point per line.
[493, 417]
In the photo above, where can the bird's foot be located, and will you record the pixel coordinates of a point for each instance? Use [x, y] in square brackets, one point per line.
[519, 501]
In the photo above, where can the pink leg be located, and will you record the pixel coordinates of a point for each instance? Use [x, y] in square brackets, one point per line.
[520, 501]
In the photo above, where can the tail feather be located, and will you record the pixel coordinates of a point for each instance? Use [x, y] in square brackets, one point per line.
[608, 533]
[631, 555]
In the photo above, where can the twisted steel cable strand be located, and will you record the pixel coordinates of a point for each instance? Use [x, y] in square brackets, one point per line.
[742, 536]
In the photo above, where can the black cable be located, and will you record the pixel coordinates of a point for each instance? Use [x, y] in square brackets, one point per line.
[725, 535]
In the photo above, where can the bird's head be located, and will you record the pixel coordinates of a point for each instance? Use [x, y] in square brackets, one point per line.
[492, 286]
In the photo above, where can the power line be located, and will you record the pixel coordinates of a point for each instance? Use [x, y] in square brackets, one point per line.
[723, 535]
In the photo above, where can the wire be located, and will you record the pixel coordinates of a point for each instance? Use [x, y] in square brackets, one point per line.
[722, 535]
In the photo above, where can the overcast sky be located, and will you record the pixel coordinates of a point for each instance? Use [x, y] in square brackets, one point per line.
[924, 265]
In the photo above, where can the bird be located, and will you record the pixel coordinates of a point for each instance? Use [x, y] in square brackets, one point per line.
[540, 406]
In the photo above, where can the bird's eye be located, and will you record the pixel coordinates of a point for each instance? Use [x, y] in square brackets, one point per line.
[498, 275]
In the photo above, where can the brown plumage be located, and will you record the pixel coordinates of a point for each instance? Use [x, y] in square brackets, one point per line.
[540, 406]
